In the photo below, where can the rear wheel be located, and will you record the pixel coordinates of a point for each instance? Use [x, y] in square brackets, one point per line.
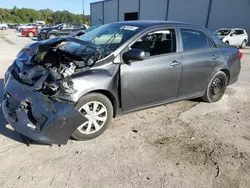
[98, 110]
[227, 42]
[216, 88]
[243, 44]
[31, 34]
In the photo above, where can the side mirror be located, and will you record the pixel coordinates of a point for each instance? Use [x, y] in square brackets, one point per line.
[60, 28]
[133, 55]
[232, 35]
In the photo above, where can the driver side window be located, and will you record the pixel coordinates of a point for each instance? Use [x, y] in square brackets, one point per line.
[157, 42]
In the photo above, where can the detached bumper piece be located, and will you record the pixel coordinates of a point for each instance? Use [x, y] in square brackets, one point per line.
[38, 117]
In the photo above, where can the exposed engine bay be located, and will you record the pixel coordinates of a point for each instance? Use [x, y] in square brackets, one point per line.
[47, 66]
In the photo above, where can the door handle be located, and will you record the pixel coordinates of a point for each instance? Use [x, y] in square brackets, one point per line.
[175, 64]
[214, 57]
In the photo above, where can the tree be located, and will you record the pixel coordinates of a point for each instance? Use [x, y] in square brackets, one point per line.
[25, 15]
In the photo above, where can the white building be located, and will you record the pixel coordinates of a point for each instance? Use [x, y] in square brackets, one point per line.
[213, 14]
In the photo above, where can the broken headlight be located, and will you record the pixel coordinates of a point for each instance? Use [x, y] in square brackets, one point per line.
[67, 87]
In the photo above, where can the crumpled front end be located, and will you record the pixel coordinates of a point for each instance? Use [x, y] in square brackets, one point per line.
[32, 83]
[38, 117]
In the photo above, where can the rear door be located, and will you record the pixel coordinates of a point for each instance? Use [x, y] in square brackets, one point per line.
[155, 79]
[200, 59]
[240, 37]
[78, 27]
[66, 29]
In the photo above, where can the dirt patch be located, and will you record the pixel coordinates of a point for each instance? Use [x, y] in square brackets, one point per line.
[7, 40]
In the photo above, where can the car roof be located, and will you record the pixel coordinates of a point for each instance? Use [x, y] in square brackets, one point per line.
[150, 23]
[232, 29]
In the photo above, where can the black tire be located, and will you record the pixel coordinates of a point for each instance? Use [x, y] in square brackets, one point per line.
[216, 88]
[227, 42]
[4, 28]
[21, 30]
[52, 35]
[243, 44]
[31, 34]
[109, 107]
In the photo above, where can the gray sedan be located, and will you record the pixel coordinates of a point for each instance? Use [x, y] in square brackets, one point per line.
[68, 86]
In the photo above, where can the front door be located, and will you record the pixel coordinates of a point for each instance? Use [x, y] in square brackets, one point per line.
[239, 34]
[155, 79]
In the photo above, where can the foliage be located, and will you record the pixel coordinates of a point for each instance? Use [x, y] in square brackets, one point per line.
[25, 15]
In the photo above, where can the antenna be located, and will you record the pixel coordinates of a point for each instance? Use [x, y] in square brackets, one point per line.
[83, 15]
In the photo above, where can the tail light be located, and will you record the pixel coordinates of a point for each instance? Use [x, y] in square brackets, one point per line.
[240, 55]
[28, 51]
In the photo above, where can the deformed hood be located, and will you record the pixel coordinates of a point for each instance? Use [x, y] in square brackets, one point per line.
[41, 47]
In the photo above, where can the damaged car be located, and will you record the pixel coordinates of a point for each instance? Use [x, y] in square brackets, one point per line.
[72, 87]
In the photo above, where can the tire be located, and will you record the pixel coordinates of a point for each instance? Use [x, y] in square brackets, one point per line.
[51, 36]
[21, 30]
[216, 88]
[4, 28]
[31, 34]
[227, 42]
[85, 131]
[243, 44]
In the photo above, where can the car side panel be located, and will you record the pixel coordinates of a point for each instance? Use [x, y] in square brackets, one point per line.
[150, 81]
[231, 62]
[198, 68]
[98, 78]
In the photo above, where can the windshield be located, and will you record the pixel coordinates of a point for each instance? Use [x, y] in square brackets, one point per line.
[107, 38]
[223, 32]
[90, 29]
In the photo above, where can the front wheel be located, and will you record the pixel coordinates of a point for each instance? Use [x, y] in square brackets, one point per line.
[31, 34]
[4, 28]
[216, 88]
[98, 110]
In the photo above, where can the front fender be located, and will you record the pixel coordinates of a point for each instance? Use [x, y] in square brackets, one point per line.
[104, 78]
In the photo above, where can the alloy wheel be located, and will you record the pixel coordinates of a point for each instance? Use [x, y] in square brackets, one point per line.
[96, 114]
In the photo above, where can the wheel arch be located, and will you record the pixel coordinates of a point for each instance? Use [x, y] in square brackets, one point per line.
[227, 74]
[31, 32]
[52, 33]
[110, 96]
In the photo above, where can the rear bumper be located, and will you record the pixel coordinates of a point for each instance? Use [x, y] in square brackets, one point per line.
[45, 121]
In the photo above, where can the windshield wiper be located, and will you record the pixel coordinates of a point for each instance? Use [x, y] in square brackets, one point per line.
[109, 42]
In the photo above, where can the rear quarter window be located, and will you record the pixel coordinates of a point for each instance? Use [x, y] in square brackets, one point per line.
[195, 40]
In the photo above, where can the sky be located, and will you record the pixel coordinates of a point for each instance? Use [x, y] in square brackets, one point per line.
[74, 6]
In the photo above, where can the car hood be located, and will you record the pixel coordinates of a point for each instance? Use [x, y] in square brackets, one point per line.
[47, 29]
[221, 37]
[40, 47]
[47, 67]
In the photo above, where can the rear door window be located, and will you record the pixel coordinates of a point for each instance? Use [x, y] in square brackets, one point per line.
[195, 40]
[239, 32]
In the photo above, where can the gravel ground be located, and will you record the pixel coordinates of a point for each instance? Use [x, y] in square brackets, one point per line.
[185, 144]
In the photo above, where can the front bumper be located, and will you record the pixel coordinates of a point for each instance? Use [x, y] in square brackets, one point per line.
[44, 120]
[24, 33]
[41, 36]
